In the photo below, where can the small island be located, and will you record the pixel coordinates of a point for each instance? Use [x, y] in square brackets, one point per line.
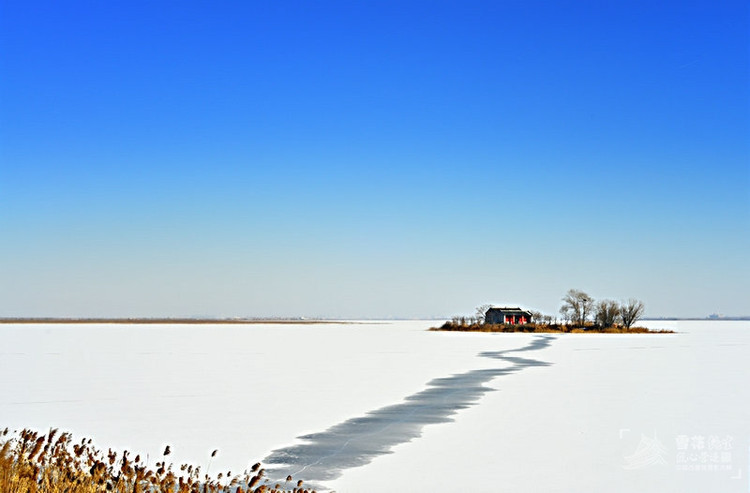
[580, 313]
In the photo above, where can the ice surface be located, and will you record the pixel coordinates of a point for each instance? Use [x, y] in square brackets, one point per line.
[356, 441]
[385, 406]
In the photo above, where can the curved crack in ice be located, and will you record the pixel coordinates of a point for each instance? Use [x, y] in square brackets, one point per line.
[357, 441]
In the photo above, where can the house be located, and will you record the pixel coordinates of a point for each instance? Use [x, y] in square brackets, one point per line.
[507, 315]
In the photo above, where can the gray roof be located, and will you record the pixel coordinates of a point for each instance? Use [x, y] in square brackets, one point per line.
[509, 309]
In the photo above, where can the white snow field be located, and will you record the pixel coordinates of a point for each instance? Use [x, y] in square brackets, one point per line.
[392, 407]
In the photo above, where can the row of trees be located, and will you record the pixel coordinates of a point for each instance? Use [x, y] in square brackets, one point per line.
[578, 308]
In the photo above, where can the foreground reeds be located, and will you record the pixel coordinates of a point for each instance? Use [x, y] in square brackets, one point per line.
[53, 463]
[545, 328]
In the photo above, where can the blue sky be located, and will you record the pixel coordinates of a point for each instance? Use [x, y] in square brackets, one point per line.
[372, 159]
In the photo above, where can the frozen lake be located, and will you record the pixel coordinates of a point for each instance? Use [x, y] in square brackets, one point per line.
[367, 407]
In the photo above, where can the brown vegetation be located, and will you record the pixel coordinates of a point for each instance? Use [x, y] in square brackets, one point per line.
[545, 328]
[53, 463]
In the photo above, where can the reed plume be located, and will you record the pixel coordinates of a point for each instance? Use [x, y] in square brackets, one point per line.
[52, 463]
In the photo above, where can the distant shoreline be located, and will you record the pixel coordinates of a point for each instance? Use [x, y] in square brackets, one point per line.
[173, 321]
[281, 321]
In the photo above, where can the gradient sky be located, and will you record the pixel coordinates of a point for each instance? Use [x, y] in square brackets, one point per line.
[372, 159]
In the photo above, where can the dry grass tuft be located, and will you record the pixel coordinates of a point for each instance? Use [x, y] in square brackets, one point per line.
[37, 463]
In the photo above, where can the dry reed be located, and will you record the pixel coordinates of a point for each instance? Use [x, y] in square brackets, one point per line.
[53, 463]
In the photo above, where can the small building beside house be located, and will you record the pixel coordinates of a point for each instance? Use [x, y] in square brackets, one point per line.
[507, 315]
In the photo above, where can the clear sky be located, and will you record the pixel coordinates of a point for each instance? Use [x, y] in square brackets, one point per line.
[374, 158]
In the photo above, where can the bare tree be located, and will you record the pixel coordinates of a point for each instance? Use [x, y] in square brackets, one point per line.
[481, 312]
[567, 314]
[540, 318]
[630, 312]
[607, 313]
[577, 306]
